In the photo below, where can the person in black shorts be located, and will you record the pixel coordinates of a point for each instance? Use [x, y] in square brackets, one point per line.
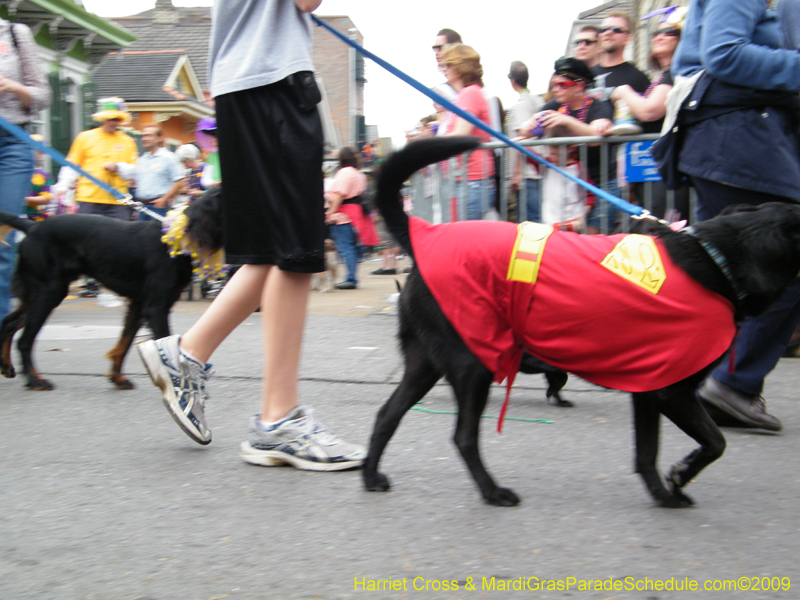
[270, 149]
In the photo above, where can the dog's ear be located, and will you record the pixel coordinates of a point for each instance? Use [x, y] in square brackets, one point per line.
[205, 219]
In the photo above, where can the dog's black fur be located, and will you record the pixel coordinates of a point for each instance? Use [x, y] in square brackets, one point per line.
[762, 246]
[127, 257]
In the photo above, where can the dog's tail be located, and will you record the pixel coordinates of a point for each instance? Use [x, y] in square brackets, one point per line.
[9, 222]
[400, 166]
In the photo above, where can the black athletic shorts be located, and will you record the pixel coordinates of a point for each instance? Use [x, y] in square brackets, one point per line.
[270, 150]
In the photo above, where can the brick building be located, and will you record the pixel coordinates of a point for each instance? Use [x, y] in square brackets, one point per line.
[341, 70]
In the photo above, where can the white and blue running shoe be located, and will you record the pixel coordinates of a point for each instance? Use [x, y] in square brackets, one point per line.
[182, 381]
[301, 441]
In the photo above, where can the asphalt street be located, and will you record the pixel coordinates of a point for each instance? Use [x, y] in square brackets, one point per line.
[103, 497]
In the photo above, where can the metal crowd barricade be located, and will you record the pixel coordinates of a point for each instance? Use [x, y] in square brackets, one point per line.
[439, 192]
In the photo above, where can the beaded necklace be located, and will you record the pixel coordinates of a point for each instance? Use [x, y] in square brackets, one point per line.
[653, 86]
[581, 116]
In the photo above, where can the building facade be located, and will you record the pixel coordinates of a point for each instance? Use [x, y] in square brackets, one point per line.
[72, 43]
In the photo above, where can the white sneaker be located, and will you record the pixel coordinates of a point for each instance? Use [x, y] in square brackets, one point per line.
[183, 384]
[301, 441]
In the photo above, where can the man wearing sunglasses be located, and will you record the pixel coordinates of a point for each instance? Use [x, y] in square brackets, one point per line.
[612, 70]
[586, 47]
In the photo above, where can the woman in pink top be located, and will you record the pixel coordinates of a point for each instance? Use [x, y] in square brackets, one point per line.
[345, 215]
[462, 69]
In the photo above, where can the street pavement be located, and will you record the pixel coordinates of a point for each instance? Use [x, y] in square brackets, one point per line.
[103, 497]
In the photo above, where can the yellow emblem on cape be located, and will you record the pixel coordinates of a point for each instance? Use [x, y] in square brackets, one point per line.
[636, 259]
[527, 253]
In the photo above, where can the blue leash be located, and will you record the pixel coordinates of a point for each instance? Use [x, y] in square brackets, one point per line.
[439, 99]
[24, 136]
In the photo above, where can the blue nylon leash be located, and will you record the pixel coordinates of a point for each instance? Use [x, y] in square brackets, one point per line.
[618, 202]
[24, 136]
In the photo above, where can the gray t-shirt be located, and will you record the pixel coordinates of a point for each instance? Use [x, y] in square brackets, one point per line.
[257, 42]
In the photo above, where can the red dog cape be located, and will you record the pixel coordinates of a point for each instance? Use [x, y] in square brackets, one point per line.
[614, 310]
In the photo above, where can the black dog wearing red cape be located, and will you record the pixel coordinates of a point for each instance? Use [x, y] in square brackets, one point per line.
[734, 266]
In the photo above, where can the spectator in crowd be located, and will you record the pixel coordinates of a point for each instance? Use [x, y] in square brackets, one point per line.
[206, 135]
[23, 93]
[262, 79]
[345, 215]
[611, 69]
[586, 46]
[525, 180]
[447, 37]
[99, 152]
[189, 155]
[573, 112]
[462, 68]
[444, 38]
[736, 88]
[158, 173]
[649, 108]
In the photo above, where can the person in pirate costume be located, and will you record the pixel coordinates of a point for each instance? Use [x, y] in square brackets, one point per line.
[573, 112]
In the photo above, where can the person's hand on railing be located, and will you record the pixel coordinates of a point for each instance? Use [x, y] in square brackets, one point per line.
[601, 126]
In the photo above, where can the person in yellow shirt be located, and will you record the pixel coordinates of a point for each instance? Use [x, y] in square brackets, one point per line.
[107, 154]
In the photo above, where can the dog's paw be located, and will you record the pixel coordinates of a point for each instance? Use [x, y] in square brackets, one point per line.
[559, 401]
[121, 383]
[376, 482]
[502, 497]
[8, 371]
[39, 385]
[677, 500]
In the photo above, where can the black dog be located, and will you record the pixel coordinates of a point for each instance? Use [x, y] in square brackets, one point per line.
[762, 247]
[127, 257]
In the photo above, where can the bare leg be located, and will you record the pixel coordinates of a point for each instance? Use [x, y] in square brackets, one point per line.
[283, 313]
[237, 301]
[283, 297]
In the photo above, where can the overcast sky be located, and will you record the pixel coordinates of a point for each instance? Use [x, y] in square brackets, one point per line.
[402, 33]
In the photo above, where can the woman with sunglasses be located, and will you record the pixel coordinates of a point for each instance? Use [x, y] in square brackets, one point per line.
[461, 66]
[649, 108]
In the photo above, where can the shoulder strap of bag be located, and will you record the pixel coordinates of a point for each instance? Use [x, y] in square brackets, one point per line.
[14, 37]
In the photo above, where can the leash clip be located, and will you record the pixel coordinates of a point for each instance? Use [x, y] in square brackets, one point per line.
[646, 215]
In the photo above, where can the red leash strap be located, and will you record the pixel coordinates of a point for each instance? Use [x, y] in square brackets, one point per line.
[509, 383]
[732, 357]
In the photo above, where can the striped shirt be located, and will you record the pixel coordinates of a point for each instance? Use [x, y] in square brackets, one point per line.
[21, 63]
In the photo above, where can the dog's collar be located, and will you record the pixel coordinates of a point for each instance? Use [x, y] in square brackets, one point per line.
[206, 263]
[720, 260]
